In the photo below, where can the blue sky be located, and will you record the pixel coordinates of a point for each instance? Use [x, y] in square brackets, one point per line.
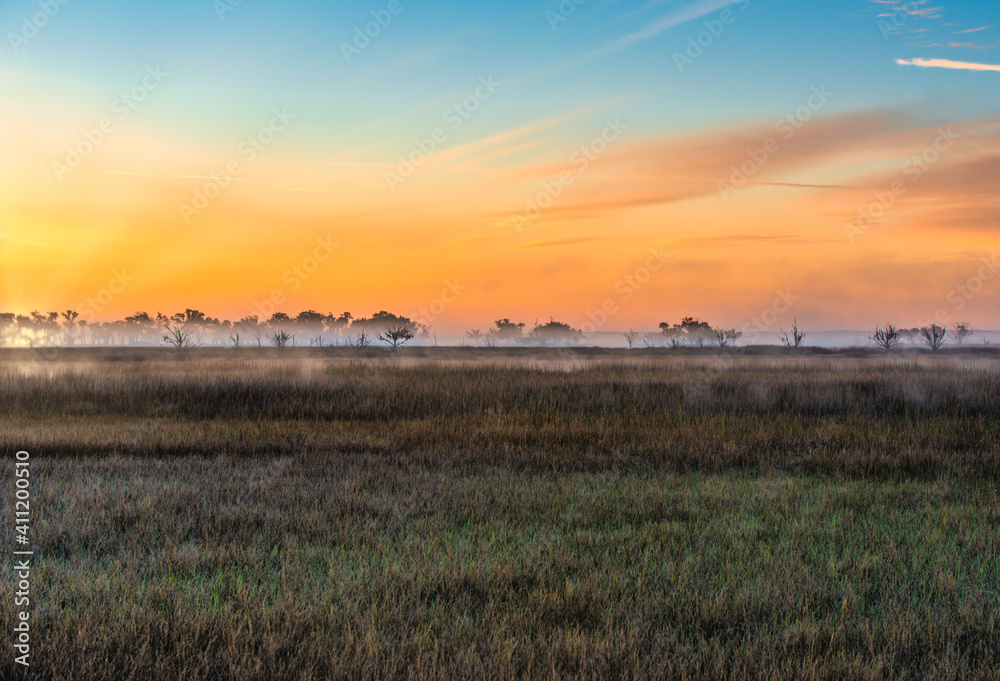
[264, 52]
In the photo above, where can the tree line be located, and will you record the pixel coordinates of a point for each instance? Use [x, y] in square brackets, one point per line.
[193, 327]
[888, 337]
[311, 328]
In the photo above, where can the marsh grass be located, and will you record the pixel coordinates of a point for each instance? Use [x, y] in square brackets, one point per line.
[558, 410]
[556, 515]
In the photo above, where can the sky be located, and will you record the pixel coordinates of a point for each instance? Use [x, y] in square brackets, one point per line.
[610, 164]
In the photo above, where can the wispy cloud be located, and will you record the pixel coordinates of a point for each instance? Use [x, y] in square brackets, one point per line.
[948, 64]
[955, 196]
[664, 23]
[503, 140]
[923, 26]
[661, 170]
[974, 30]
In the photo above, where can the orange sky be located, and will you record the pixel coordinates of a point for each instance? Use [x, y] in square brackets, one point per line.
[456, 221]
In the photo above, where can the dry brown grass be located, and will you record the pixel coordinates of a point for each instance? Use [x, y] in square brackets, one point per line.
[560, 410]
[557, 515]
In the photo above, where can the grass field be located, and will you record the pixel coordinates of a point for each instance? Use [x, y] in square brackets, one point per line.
[460, 513]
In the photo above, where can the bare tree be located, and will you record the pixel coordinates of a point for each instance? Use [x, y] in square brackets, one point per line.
[962, 331]
[886, 338]
[726, 337]
[279, 339]
[795, 340]
[396, 336]
[360, 342]
[631, 336]
[934, 336]
[178, 337]
[490, 339]
[235, 339]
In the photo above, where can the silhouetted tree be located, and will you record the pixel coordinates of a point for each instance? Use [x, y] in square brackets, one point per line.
[69, 326]
[312, 324]
[697, 330]
[380, 321]
[360, 342]
[631, 336]
[6, 324]
[726, 337]
[793, 341]
[886, 338]
[279, 319]
[310, 317]
[338, 324]
[250, 327]
[691, 331]
[934, 336]
[673, 334]
[554, 332]
[179, 337]
[189, 318]
[279, 339]
[509, 332]
[962, 331]
[140, 327]
[396, 336]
